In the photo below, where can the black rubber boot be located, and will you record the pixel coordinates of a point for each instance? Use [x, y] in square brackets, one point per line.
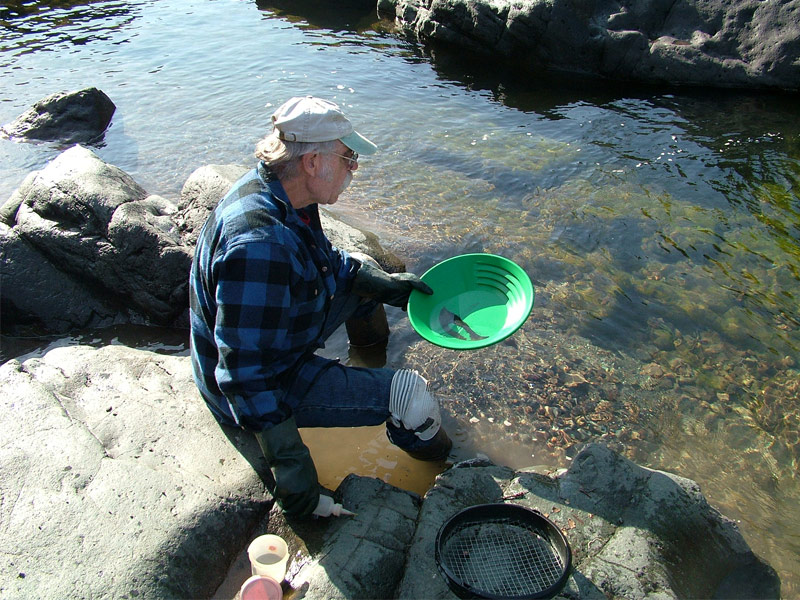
[371, 330]
[438, 448]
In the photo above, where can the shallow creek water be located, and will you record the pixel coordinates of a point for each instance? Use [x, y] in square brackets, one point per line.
[661, 228]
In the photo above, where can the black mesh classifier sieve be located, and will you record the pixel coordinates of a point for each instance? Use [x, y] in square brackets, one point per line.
[502, 551]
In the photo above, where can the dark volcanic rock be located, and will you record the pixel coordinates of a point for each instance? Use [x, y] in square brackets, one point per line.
[114, 253]
[744, 43]
[82, 245]
[67, 117]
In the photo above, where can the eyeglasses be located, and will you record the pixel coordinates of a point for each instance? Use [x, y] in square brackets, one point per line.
[352, 160]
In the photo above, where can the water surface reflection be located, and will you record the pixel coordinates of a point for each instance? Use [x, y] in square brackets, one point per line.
[661, 228]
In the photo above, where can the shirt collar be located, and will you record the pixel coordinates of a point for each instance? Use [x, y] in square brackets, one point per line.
[280, 196]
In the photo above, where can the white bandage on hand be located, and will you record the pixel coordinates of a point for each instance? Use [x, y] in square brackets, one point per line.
[412, 406]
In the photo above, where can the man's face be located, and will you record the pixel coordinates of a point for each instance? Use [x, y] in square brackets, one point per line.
[335, 174]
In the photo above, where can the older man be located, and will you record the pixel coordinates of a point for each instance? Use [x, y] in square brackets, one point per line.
[267, 289]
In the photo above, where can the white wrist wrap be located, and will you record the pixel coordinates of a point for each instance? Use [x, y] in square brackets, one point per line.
[412, 406]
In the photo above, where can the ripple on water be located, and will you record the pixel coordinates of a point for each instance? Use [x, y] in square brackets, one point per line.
[660, 229]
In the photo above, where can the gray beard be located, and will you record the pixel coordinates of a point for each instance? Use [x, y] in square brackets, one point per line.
[347, 181]
[327, 175]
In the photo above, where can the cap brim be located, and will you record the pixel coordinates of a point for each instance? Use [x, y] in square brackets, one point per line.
[358, 143]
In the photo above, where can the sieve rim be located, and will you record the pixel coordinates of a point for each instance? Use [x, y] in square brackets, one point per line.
[527, 519]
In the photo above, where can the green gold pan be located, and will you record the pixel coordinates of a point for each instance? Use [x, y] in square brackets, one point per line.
[478, 300]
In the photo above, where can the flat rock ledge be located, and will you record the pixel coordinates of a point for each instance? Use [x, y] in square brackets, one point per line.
[118, 483]
[710, 43]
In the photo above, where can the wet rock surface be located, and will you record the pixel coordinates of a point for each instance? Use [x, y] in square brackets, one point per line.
[719, 44]
[110, 447]
[67, 117]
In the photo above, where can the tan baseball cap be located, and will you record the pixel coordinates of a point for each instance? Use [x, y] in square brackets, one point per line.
[310, 119]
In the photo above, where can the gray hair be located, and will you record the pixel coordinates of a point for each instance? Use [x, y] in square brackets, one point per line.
[283, 157]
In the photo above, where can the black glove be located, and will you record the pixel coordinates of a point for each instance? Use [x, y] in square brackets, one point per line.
[295, 488]
[387, 288]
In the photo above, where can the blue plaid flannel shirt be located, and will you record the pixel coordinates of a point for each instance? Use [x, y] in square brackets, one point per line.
[262, 278]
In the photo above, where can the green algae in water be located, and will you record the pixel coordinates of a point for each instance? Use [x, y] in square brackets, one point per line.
[702, 296]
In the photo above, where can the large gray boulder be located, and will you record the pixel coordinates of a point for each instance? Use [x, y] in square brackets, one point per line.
[82, 245]
[68, 117]
[105, 238]
[208, 184]
[360, 557]
[118, 483]
[201, 192]
[741, 43]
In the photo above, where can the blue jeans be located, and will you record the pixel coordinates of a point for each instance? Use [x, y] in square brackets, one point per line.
[342, 396]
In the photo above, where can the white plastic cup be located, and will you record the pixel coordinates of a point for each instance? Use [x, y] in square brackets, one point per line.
[261, 588]
[268, 556]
